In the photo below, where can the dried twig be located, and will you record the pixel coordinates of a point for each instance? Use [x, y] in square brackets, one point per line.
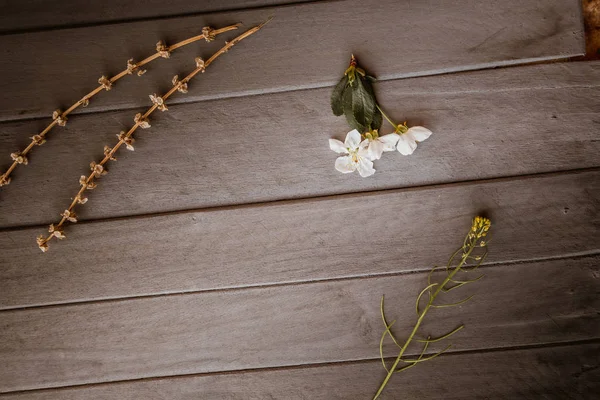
[125, 138]
[60, 117]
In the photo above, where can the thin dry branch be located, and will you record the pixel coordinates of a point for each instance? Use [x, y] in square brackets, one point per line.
[60, 117]
[125, 138]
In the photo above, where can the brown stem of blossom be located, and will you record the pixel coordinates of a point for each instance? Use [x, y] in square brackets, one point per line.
[108, 156]
[5, 178]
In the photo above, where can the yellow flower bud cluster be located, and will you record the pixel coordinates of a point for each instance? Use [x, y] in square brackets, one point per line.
[480, 227]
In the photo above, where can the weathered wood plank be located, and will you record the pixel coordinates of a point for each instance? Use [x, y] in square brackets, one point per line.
[559, 372]
[305, 46]
[299, 241]
[487, 124]
[39, 14]
[551, 302]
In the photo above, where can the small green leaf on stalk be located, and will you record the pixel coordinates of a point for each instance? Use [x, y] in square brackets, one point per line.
[363, 104]
[336, 96]
[377, 116]
[347, 103]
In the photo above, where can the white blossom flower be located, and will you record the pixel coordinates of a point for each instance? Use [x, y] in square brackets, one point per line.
[407, 142]
[357, 157]
[379, 144]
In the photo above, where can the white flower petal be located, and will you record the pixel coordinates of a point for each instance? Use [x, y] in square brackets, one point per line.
[345, 164]
[375, 149]
[365, 167]
[419, 133]
[337, 146]
[353, 139]
[364, 152]
[406, 144]
[389, 141]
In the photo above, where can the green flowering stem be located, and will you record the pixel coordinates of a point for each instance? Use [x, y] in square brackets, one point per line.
[417, 326]
[472, 241]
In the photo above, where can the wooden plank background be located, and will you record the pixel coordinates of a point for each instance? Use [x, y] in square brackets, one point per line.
[226, 259]
[325, 322]
[218, 248]
[238, 151]
[305, 46]
[40, 15]
[558, 372]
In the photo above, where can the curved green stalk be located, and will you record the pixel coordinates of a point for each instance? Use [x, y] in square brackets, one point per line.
[387, 327]
[478, 230]
[388, 119]
[447, 335]
[453, 304]
[421, 295]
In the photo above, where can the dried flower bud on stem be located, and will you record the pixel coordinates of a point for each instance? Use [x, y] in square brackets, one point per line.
[141, 120]
[60, 118]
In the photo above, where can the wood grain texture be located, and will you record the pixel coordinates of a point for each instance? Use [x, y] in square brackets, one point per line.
[39, 14]
[299, 241]
[233, 151]
[551, 373]
[305, 46]
[551, 302]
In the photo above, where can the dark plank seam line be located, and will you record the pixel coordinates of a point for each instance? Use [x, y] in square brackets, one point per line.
[382, 78]
[305, 366]
[161, 17]
[483, 267]
[331, 197]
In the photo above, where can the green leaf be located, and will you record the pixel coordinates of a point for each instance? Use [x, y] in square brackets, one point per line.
[363, 104]
[377, 116]
[347, 103]
[336, 96]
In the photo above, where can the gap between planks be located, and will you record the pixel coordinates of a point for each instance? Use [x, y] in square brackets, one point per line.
[188, 100]
[388, 78]
[292, 367]
[166, 325]
[283, 4]
[467, 52]
[311, 199]
[116, 299]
